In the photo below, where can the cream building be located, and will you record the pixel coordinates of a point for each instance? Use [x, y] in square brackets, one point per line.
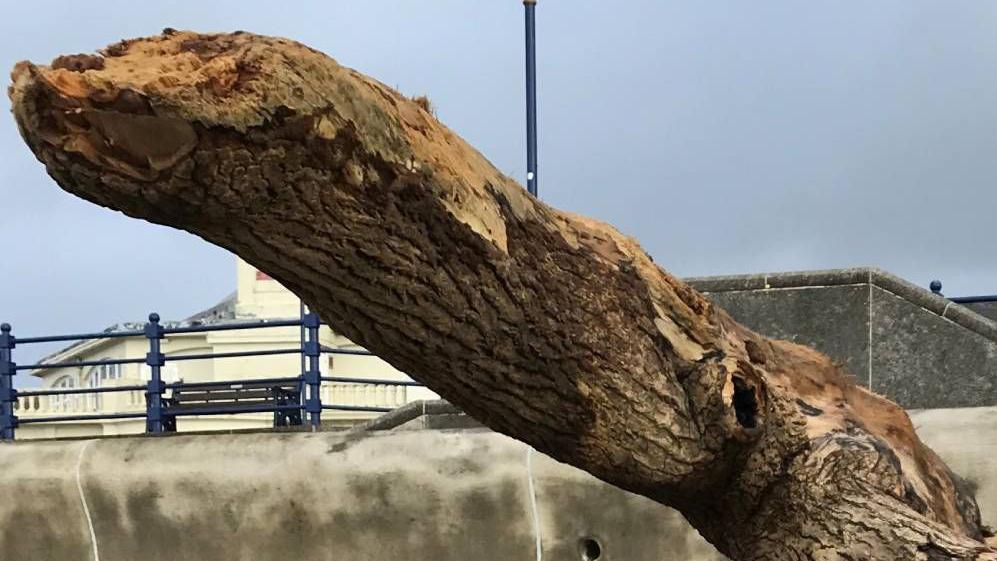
[257, 297]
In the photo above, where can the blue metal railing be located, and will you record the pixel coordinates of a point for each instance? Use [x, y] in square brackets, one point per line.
[974, 299]
[157, 415]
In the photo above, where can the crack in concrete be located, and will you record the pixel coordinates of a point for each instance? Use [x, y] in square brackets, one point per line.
[83, 499]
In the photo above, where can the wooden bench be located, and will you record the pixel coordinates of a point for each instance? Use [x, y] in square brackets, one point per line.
[226, 398]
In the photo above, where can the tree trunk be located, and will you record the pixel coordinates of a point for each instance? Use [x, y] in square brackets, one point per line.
[547, 326]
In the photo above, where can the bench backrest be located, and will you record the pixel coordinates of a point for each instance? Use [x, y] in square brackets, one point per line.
[233, 393]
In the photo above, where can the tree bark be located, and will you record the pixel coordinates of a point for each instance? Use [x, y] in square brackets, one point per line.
[544, 325]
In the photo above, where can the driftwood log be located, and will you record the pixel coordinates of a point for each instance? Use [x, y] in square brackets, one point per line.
[544, 325]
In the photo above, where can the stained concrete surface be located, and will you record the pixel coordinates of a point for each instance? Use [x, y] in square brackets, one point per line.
[410, 494]
[967, 440]
[985, 309]
[420, 495]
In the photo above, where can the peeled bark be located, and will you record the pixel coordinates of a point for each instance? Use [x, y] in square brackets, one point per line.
[547, 326]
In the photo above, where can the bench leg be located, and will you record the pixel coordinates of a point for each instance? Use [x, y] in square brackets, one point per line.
[169, 423]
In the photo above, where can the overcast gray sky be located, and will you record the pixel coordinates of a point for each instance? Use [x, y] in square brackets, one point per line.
[729, 137]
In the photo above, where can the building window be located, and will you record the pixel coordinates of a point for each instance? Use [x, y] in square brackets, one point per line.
[103, 372]
[66, 382]
[63, 402]
[95, 379]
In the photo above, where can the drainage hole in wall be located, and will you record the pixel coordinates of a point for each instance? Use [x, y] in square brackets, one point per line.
[590, 549]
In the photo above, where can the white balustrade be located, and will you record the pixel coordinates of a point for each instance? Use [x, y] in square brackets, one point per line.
[79, 404]
[363, 395]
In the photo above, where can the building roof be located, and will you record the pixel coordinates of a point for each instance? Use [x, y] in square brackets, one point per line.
[222, 312]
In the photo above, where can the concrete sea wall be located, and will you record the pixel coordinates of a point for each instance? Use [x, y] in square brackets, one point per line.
[423, 494]
[419, 495]
[917, 348]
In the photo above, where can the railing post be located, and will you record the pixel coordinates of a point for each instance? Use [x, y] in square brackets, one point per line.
[154, 359]
[303, 336]
[936, 287]
[313, 375]
[8, 395]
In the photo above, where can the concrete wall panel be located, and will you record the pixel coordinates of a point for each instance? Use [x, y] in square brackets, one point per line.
[832, 319]
[418, 495]
[967, 440]
[923, 360]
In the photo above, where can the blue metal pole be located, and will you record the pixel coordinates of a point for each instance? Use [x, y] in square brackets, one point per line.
[156, 388]
[531, 96]
[8, 395]
[313, 376]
